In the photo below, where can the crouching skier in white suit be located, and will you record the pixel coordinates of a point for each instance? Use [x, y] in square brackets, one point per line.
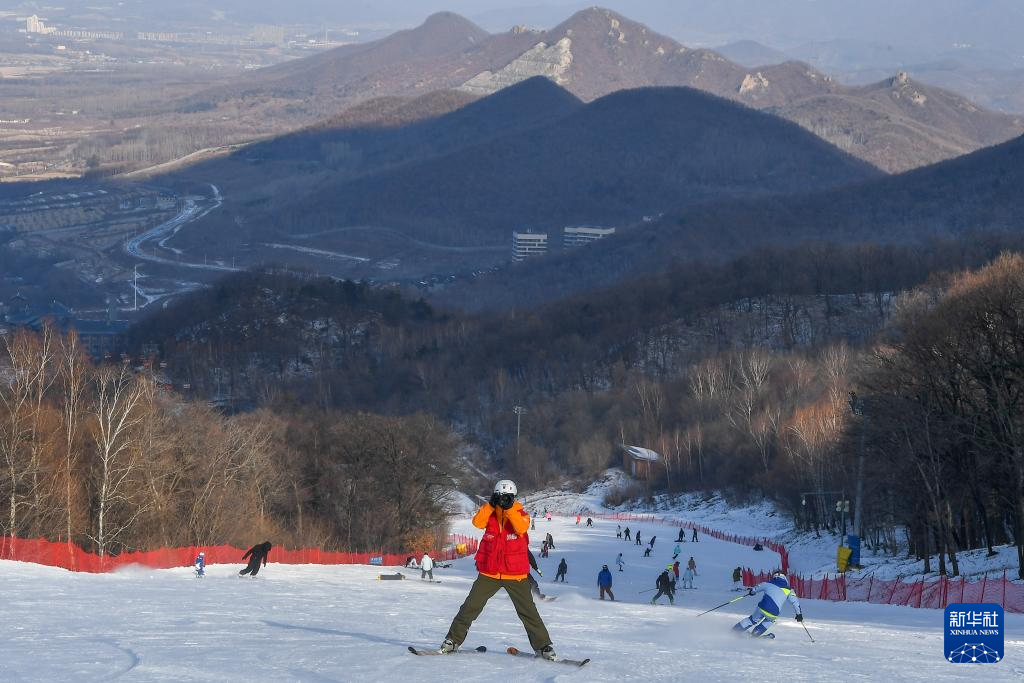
[776, 593]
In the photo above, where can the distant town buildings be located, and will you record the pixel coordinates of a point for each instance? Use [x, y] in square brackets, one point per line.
[580, 235]
[98, 337]
[35, 25]
[528, 244]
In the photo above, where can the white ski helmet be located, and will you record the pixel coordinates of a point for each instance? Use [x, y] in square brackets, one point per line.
[506, 486]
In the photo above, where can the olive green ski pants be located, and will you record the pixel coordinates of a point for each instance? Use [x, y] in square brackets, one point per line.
[483, 590]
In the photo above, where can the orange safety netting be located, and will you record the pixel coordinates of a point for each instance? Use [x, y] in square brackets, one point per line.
[70, 556]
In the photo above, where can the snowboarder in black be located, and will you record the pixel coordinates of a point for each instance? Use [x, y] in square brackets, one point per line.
[627, 533]
[682, 536]
[256, 554]
[590, 522]
[665, 586]
[562, 569]
[651, 542]
[638, 538]
[695, 539]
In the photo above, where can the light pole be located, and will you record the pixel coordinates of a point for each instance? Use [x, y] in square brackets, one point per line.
[857, 406]
[518, 410]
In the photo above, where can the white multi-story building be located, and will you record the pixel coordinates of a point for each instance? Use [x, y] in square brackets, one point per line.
[527, 244]
[34, 25]
[579, 235]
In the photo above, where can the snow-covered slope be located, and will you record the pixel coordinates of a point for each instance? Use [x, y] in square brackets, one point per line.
[308, 623]
[810, 554]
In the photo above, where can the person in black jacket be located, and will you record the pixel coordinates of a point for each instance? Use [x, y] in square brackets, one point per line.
[665, 586]
[562, 569]
[256, 554]
[534, 586]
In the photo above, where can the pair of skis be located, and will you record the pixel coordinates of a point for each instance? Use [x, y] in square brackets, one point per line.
[511, 650]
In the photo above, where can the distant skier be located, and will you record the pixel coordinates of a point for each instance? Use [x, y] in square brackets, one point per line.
[647, 552]
[695, 539]
[590, 522]
[544, 549]
[665, 587]
[638, 538]
[681, 538]
[562, 569]
[619, 561]
[627, 533]
[758, 547]
[551, 542]
[692, 566]
[651, 542]
[200, 565]
[502, 561]
[675, 569]
[776, 593]
[604, 582]
[687, 578]
[676, 551]
[737, 577]
[426, 567]
[256, 554]
[548, 516]
[618, 531]
[577, 520]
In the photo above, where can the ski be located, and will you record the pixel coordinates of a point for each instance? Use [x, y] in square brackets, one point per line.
[574, 662]
[425, 653]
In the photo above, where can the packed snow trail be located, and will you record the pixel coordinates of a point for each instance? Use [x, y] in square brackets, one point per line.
[312, 623]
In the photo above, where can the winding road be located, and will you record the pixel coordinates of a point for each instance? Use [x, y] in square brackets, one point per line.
[189, 213]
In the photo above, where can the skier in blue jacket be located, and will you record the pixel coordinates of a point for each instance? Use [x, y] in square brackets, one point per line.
[604, 581]
[776, 592]
[201, 565]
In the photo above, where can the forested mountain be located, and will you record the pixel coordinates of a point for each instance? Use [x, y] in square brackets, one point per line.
[977, 193]
[530, 156]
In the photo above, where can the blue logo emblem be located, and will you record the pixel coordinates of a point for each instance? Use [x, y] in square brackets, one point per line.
[974, 633]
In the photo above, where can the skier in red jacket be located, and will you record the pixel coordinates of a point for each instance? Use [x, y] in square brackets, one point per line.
[503, 562]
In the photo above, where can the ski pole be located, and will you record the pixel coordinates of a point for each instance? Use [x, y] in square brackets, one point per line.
[806, 631]
[724, 604]
[648, 590]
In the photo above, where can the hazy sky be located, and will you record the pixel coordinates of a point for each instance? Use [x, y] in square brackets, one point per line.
[934, 25]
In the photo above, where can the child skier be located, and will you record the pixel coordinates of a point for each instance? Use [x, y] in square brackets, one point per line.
[604, 582]
[627, 533]
[619, 561]
[503, 562]
[675, 569]
[647, 552]
[590, 522]
[201, 565]
[551, 542]
[577, 520]
[681, 538]
[562, 569]
[737, 577]
[544, 549]
[665, 587]
[687, 578]
[676, 551]
[692, 566]
[618, 531]
[638, 538]
[776, 593]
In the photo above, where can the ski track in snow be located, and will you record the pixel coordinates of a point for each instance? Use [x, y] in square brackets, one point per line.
[315, 624]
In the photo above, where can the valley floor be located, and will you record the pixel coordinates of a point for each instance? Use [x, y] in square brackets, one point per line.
[313, 624]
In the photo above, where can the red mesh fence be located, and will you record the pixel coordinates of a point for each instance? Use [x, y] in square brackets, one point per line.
[70, 556]
[932, 594]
